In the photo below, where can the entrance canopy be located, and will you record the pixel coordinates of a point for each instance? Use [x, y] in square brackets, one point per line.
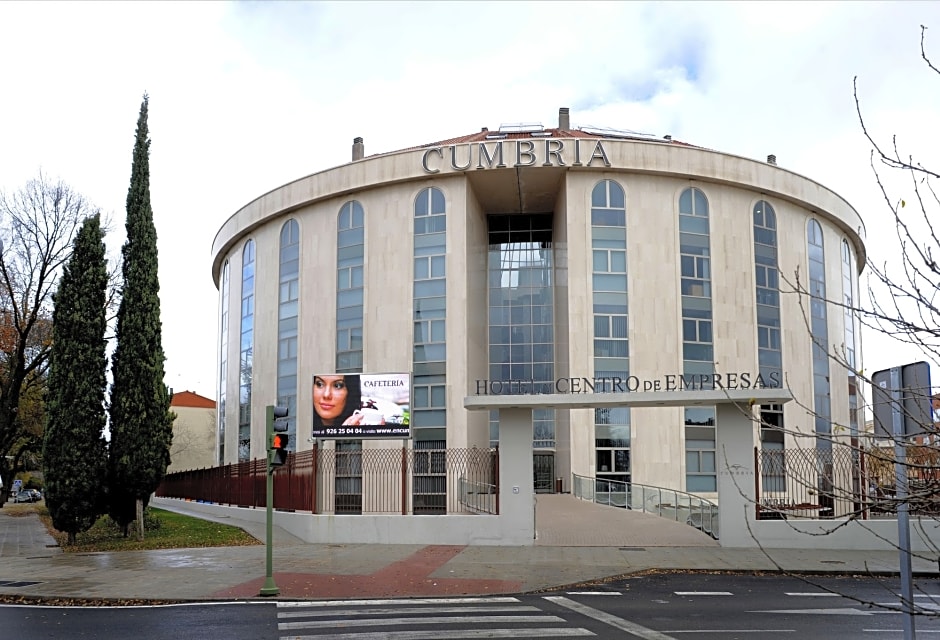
[631, 399]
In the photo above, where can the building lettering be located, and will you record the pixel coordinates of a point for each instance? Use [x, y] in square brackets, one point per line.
[631, 384]
[549, 152]
[383, 383]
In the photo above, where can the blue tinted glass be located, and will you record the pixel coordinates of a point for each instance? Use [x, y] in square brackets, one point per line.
[618, 261]
[618, 326]
[616, 195]
[685, 202]
[421, 204]
[693, 224]
[814, 233]
[608, 217]
[422, 266]
[438, 267]
[701, 203]
[437, 200]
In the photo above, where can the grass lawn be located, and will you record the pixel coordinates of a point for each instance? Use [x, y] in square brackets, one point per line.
[164, 530]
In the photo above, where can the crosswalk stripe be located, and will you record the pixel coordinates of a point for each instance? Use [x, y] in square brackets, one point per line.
[704, 593]
[813, 594]
[726, 632]
[609, 619]
[847, 611]
[403, 610]
[286, 604]
[378, 622]
[454, 634]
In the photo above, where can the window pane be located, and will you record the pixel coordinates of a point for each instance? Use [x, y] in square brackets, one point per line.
[618, 261]
[701, 484]
[437, 267]
[616, 195]
[422, 268]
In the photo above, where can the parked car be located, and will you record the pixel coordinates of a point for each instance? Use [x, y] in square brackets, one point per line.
[28, 495]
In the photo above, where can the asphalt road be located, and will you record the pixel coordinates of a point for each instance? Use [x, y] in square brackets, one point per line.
[663, 606]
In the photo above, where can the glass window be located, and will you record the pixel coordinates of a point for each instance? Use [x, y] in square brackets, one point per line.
[350, 286]
[611, 344]
[429, 415]
[697, 347]
[223, 358]
[819, 330]
[247, 341]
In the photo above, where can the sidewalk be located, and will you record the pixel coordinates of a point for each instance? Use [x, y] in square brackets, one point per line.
[578, 542]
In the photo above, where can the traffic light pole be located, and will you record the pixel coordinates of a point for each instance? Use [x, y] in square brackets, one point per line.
[269, 588]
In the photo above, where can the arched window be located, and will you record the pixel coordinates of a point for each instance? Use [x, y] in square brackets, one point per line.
[288, 302]
[769, 351]
[848, 301]
[429, 409]
[698, 351]
[223, 356]
[820, 334]
[611, 339]
[246, 344]
[350, 253]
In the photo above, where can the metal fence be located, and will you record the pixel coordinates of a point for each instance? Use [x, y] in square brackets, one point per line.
[844, 481]
[363, 481]
[809, 482]
[666, 503]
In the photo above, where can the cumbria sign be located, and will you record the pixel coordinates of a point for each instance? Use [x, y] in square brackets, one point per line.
[669, 382]
[500, 154]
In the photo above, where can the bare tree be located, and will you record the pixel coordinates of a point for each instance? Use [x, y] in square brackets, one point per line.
[39, 222]
[904, 298]
[855, 475]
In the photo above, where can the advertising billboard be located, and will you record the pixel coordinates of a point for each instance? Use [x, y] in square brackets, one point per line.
[361, 405]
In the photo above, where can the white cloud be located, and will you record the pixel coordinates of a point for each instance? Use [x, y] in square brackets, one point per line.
[248, 96]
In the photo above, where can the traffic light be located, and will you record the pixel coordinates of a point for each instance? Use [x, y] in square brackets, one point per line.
[277, 438]
[280, 449]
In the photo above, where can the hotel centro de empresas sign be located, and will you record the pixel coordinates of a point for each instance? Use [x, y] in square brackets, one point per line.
[631, 384]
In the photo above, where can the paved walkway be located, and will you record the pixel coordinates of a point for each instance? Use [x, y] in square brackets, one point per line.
[577, 542]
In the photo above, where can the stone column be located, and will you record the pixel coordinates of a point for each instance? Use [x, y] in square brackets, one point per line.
[735, 466]
[516, 482]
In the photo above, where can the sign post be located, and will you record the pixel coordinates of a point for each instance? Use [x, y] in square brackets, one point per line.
[901, 397]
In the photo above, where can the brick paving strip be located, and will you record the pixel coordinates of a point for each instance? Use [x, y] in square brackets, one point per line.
[408, 577]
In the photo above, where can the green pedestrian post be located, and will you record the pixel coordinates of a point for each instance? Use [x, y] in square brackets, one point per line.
[275, 425]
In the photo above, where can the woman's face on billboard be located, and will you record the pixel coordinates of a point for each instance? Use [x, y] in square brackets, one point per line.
[329, 396]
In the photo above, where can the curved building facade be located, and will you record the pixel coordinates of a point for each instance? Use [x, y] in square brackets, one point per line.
[546, 260]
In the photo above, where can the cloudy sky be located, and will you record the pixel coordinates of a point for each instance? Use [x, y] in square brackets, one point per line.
[247, 96]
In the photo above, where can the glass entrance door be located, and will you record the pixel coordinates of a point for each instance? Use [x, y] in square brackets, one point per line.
[543, 472]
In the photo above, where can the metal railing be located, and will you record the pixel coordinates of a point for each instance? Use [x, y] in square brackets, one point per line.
[479, 497]
[675, 505]
[367, 481]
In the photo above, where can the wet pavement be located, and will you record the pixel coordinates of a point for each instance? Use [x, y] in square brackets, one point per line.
[577, 542]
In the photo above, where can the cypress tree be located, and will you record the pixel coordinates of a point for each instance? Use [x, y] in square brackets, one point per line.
[74, 448]
[141, 421]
